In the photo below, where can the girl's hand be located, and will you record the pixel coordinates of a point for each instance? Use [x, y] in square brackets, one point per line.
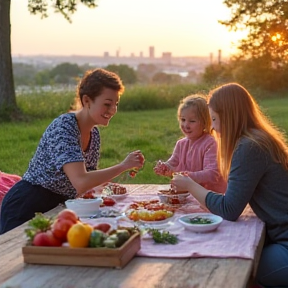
[162, 169]
[181, 182]
[134, 160]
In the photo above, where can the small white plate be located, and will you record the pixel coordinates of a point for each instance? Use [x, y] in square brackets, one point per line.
[216, 221]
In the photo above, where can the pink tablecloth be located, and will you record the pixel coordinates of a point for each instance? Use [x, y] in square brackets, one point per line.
[232, 239]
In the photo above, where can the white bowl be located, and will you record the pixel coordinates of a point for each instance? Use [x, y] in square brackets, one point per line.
[84, 207]
[216, 221]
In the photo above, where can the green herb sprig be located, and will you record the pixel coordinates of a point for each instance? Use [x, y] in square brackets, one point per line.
[164, 237]
[40, 223]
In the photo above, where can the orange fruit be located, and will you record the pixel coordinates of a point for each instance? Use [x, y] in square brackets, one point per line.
[78, 235]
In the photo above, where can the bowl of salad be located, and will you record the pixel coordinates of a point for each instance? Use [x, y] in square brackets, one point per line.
[200, 222]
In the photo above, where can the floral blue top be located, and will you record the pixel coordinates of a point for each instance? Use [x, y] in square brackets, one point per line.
[61, 144]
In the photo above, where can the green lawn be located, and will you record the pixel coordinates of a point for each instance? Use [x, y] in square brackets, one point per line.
[153, 132]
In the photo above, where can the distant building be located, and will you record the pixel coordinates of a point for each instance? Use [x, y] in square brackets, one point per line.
[219, 56]
[151, 52]
[106, 54]
[211, 58]
[167, 57]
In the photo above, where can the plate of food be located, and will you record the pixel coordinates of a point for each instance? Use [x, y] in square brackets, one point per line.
[115, 190]
[200, 222]
[151, 211]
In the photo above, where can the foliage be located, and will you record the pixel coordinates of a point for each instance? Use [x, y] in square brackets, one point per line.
[8, 105]
[126, 73]
[164, 78]
[267, 26]
[253, 73]
[24, 74]
[146, 72]
[65, 72]
[148, 97]
[216, 74]
[43, 104]
[154, 132]
[66, 8]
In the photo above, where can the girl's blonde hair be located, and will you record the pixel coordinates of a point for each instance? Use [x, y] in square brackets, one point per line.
[199, 103]
[240, 116]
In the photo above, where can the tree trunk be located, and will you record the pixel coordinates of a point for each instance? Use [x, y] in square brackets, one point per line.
[7, 92]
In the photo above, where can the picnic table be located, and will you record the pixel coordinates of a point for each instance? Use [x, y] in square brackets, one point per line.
[203, 272]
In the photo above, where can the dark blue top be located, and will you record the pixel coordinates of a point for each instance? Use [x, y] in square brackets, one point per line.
[256, 179]
[60, 144]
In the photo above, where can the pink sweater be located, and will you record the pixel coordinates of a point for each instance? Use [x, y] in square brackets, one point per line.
[199, 159]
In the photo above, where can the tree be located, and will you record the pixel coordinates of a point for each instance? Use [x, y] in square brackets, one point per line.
[65, 72]
[8, 104]
[126, 73]
[267, 26]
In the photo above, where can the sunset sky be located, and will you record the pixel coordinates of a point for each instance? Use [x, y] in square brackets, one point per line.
[183, 27]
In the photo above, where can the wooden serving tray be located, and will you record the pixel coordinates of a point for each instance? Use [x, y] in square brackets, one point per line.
[105, 257]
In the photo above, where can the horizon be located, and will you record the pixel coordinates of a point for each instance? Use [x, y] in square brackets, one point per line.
[126, 27]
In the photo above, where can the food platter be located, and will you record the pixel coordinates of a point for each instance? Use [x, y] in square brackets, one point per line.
[152, 211]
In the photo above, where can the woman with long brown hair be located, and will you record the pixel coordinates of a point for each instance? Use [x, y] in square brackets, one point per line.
[253, 157]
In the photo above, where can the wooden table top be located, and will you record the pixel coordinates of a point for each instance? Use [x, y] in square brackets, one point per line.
[140, 272]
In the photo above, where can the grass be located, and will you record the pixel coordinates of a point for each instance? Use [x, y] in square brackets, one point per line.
[154, 132]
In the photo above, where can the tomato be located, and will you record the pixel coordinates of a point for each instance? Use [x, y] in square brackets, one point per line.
[61, 227]
[68, 214]
[104, 227]
[108, 201]
[46, 239]
[174, 201]
[89, 194]
[132, 173]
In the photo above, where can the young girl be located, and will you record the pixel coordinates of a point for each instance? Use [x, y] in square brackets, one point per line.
[65, 163]
[196, 153]
[253, 155]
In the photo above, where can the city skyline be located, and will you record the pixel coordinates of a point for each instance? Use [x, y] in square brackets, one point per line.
[125, 28]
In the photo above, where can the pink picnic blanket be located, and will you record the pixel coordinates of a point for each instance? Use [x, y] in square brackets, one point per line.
[6, 182]
[232, 239]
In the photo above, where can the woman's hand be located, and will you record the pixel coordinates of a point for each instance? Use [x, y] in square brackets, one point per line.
[161, 168]
[134, 160]
[182, 182]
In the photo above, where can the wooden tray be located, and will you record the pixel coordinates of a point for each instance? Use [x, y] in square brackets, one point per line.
[105, 257]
